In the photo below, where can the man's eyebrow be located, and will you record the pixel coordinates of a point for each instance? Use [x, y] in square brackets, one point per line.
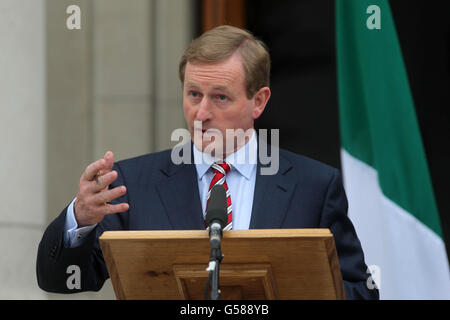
[191, 85]
[221, 88]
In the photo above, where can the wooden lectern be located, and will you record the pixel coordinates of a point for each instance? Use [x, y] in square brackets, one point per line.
[257, 264]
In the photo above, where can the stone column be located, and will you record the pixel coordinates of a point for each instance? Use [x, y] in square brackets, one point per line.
[23, 146]
[112, 85]
[173, 31]
[122, 79]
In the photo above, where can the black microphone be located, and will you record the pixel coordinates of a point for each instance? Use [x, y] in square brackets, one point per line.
[216, 214]
[216, 218]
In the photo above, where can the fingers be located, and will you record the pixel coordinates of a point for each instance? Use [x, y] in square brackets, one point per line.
[109, 195]
[104, 165]
[100, 200]
[101, 182]
[115, 208]
[92, 169]
[109, 161]
[93, 192]
[90, 208]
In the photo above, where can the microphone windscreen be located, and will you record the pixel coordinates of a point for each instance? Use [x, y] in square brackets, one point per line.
[217, 206]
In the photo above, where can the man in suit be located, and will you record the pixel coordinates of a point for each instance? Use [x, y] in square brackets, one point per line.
[225, 76]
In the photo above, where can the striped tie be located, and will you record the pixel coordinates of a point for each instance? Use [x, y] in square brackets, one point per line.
[220, 170]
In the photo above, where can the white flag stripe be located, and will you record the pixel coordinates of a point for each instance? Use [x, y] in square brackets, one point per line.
[410, 256]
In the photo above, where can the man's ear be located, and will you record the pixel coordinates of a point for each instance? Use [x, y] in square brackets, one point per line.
[260, 100]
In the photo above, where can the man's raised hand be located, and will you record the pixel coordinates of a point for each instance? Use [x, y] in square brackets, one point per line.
[93, 193]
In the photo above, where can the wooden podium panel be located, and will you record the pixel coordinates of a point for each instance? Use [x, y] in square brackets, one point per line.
[237, 281]
[257, 264]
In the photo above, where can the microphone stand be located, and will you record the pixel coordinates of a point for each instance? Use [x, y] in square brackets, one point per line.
[215, 258]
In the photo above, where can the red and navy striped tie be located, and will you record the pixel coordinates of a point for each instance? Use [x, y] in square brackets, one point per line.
[220, 170]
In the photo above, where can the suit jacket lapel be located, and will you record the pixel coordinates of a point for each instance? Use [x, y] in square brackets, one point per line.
[179, 194]
[272, 196]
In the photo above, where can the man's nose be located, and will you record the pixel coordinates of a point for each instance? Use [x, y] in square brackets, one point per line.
[204, 110]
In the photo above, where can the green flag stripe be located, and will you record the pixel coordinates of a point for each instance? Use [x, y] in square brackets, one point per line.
[377, 117]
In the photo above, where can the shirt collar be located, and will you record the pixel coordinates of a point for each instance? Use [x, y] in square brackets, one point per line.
[243, 160]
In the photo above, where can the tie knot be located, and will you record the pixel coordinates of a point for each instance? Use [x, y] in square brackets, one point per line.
[221, 167]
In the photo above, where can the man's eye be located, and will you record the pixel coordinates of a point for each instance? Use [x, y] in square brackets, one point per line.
[221, 97]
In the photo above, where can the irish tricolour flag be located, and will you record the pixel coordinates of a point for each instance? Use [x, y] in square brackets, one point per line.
[391, 201]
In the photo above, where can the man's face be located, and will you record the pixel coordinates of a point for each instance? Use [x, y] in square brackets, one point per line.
[215, 94]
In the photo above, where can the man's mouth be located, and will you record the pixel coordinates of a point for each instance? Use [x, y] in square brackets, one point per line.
[199, 131]
[208, 133]
[203, 130]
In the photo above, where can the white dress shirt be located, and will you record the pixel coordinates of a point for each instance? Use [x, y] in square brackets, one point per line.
[240, 180]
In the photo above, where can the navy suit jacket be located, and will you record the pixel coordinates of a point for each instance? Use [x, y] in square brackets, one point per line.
[164, 196]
